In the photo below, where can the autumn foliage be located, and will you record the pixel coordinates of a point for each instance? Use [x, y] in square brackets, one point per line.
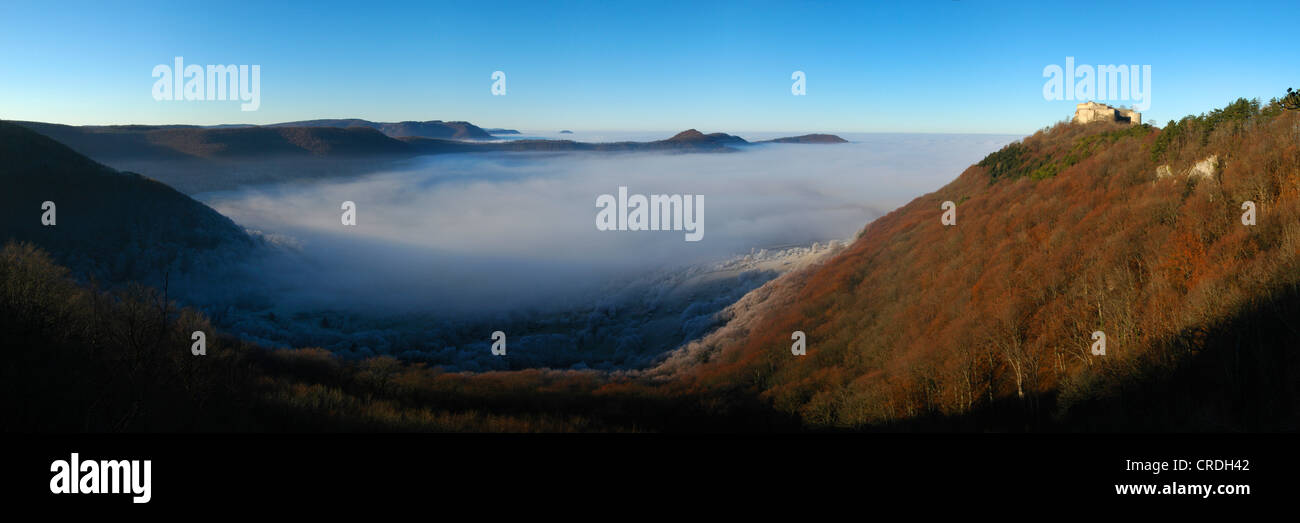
[986, 325]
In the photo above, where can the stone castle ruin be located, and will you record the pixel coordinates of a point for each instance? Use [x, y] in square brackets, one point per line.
[1088, 112]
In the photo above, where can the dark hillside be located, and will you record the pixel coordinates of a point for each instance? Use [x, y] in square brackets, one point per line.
[113, 225]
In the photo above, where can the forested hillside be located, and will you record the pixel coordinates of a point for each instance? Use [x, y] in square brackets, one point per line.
[115, 226]
[1136, 232]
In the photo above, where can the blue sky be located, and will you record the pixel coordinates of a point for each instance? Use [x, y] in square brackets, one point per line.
[922, 66]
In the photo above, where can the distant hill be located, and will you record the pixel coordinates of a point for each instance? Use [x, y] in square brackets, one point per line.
[809, 138]
[429, 129]
[261, 142]
[197, 159]
[501, 131]
[340, 139]
[689, 140]
[692, 137]
[113, 225]
[174, 142]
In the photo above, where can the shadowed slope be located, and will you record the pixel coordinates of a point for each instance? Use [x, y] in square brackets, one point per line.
[119, 226]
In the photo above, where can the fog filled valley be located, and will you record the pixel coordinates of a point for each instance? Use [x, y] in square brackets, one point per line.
[450, 248]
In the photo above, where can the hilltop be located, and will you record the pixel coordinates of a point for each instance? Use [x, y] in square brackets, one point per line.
[694, 137]
[809, 138]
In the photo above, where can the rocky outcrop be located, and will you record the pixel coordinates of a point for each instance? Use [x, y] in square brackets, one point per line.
[1206, 168]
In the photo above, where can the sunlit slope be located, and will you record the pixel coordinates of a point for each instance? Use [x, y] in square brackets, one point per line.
[1135, 232]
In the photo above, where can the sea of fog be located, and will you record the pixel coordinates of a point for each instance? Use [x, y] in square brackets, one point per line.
[448, 248]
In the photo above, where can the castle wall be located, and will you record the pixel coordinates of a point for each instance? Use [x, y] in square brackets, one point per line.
[1094, 112]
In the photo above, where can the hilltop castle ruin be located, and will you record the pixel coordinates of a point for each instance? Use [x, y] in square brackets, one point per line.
[1088, 112]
